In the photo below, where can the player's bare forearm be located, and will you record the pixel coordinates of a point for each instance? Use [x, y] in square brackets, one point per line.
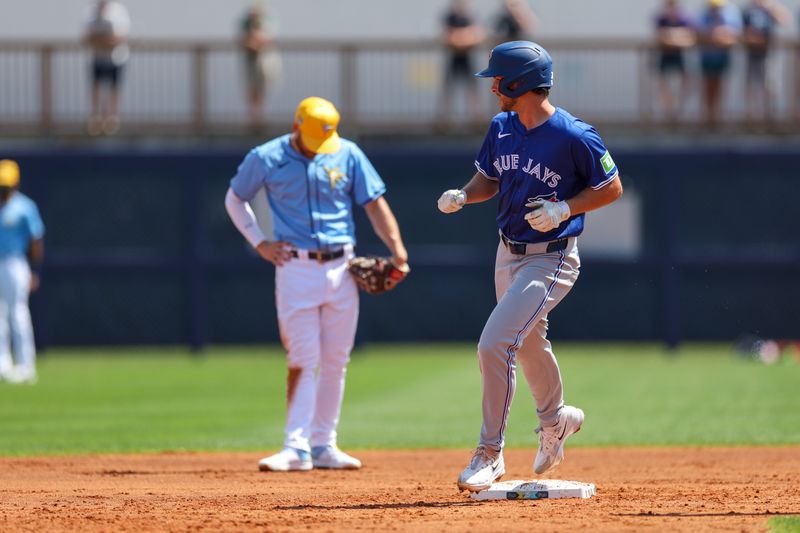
[385, 226]
[276, 252]
[35, 256]
[480, 188]
[36, 251]
[590, 199]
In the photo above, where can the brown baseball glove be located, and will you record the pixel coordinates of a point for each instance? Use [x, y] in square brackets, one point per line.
[376, 275]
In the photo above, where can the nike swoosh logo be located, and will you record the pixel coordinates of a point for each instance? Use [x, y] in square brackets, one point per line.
[501, 135]
[563, 432]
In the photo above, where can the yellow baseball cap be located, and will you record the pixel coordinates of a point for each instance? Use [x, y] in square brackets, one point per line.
[317, 120]
[717, 3]
[9, 173]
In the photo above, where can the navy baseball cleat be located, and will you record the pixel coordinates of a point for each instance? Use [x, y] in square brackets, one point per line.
[551, 440]
[485, 468]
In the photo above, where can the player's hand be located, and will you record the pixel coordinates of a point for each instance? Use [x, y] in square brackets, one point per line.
[276, 252]
[400, 259]
[452, 200]
[547, 216]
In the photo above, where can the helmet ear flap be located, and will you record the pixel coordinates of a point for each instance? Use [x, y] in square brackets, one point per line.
[512, 88]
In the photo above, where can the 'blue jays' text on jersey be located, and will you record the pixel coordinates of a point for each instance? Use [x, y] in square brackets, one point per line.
[20, 223]
[554, 162]
[311, 199]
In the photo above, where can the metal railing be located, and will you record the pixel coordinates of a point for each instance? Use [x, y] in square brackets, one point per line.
[391, 87]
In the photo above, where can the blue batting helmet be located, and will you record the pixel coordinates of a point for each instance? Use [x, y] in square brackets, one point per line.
[523, 64]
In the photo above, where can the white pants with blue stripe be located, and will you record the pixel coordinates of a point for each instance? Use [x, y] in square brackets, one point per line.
[16, 330]
[528, 287]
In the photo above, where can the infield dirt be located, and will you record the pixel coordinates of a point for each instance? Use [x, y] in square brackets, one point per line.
[669, 489]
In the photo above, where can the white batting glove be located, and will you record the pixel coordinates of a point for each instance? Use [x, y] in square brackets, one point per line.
[547, 216]
[452, 200]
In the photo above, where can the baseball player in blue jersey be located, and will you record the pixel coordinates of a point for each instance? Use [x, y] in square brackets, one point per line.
[311, 178]
[21, 239]
[548, 168]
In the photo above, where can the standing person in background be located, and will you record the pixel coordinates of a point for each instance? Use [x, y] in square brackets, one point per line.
[548, 169]
[761, 18]
[261, 61]
[106, 33]
[462, 35]
[312, 177]
[675, 35]
[515, 22]
[21, 235]
[719, 28]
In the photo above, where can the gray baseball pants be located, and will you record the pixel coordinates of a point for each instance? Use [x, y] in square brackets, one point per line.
[528, 287]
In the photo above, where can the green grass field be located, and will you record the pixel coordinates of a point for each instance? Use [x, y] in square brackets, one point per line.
[398, 396]
[784, 524]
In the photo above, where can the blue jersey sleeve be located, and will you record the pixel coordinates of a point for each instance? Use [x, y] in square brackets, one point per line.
[593, 161]
[367, 184]
[486, 156]
[250, 177]
[34, 222]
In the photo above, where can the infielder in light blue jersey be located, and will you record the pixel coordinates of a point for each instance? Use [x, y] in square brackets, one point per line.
[548, 168]
[312, 178]
[21, 239]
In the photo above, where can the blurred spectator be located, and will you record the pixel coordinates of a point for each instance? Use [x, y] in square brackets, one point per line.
[718, 31]
[261, 60]
[515, 22]
[106, 32]
[21, 235]
[675, 34]
[461, 36]
[760, 20]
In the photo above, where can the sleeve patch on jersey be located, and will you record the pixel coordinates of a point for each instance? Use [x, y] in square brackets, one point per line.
[607, 162]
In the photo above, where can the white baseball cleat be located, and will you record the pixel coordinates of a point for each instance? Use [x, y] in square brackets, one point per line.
[20, 375]
[551, 440]
[485, 468]
[333, 458]
[286, 460]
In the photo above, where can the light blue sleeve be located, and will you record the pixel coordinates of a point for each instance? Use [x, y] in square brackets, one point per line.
[367, 184]
[250, 177]
[34, 222]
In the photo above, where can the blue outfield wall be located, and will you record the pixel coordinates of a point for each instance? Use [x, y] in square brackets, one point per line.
[140, 250]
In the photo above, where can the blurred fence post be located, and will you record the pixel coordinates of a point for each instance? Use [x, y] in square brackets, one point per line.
[46, 89]
[795, 91]
[644, 54]
[199, 104]
[348, 84]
